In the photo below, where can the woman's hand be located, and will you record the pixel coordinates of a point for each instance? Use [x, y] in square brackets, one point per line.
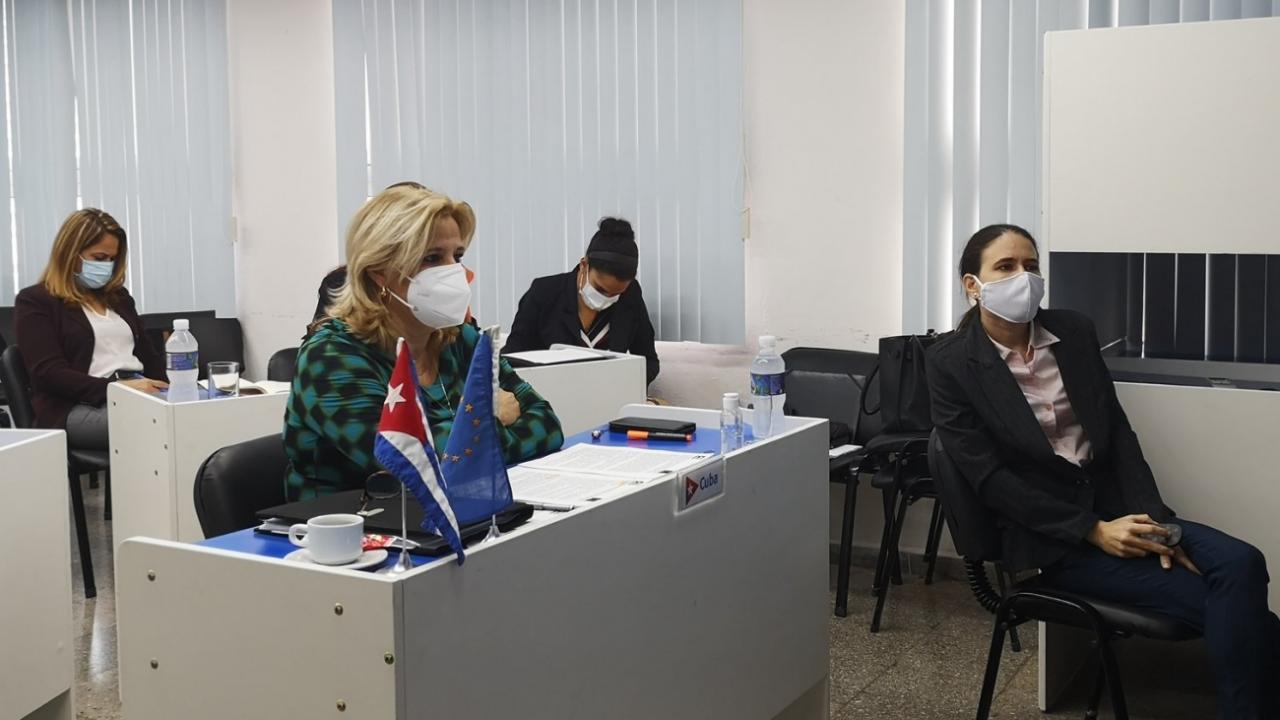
[146, 385]
[1122, 537]
[508, 408]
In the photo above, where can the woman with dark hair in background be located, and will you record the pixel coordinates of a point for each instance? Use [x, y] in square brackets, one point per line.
[1025, 406]
[597, 304]
[79, 330]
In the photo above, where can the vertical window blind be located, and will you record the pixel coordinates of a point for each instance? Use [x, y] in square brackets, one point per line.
[122, 105]
[546, 115]
[973, 120]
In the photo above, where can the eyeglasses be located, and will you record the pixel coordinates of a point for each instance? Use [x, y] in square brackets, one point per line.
[381, 485]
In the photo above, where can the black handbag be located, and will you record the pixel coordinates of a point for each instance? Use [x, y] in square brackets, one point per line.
[904, 386]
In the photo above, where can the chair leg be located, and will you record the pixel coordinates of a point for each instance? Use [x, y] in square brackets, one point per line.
[1015, 643]
[993, 668]
[106, 496]
[897, 559]
[846, 544]
[890, 498]
[82, 535]
[895, 536]
[1119, 708]
[1095, 695]
[931, 544]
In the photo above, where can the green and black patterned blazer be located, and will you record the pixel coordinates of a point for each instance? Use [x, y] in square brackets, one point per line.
[336, 401]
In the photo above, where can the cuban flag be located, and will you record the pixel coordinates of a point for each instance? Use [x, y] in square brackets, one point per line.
[404, 447]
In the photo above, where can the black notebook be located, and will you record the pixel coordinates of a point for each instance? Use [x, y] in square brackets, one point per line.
[387, 522]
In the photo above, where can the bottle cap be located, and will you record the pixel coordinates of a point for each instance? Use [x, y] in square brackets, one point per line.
[768, 341]
[181, 324]
[730, 401]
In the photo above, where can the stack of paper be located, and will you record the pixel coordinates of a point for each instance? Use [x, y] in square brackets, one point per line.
[584, 473]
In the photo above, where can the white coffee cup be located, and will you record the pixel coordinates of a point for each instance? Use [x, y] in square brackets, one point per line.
[331, 539]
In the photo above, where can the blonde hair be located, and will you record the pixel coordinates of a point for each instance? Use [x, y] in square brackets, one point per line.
[390, 234]
[81, 230]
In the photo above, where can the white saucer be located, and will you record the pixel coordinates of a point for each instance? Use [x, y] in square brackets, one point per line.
[367, 559]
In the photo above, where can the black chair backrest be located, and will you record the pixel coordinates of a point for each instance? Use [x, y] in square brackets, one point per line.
[827, 383]
[17, 388]
[237, 481]
[973, 527]
[164, 320]
[220, 339]
[3, 398]
[282, 365]
[8, 325]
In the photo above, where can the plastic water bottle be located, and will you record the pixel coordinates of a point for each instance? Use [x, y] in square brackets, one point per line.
[730, 424]
[768, 391]
[182, 361]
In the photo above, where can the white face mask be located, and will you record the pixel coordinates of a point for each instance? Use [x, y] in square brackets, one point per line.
[595, 299]
[439, 296]
[1015, 298]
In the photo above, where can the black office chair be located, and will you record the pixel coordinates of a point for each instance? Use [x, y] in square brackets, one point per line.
[237, 481]
[976, 536]
[220, 339]
[8, 323]
[13, 373]
[164, 320]
[827, 383]
[282, 365]
[5, 422]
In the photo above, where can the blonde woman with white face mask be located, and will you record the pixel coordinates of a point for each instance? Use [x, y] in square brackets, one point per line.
[405, 278]
[1025, 406]
[597, 304]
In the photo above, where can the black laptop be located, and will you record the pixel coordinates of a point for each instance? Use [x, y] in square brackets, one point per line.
[383, 517]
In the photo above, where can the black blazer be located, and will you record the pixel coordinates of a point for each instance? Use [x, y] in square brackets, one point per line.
[57, 342]
[548, 314]
[1044, 504]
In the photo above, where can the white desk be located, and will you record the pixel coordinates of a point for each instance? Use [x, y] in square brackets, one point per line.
[1213, 453]
[620, 609]
[37, 655]
[586, 395]
[157, 446]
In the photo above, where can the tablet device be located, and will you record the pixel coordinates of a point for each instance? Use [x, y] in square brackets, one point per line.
[622, 425]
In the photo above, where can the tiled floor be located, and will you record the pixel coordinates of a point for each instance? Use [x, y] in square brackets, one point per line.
[926, 662]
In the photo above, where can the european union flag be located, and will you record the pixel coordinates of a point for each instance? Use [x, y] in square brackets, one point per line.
[474, 471]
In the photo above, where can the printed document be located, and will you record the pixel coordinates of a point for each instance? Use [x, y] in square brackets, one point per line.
[635, 464]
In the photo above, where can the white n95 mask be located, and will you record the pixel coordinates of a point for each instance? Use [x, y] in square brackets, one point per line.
[595, 299]
[1015, 298]
[439, 296]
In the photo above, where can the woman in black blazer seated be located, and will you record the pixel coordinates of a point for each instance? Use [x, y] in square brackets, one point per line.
[1024, 404]
[79, 330]
[597, 304]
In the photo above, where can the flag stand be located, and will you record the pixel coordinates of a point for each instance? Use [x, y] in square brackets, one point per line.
[404, 563]
[495, 334]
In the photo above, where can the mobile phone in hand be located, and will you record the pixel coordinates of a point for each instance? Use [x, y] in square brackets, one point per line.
[1175, 535]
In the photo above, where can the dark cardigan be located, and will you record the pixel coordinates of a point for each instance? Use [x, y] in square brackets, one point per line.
[57, 343]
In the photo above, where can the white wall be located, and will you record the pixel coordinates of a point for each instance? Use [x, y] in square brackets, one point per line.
[824, 117]
[284, 165]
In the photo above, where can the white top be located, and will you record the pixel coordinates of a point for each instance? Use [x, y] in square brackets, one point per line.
[112, 344]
